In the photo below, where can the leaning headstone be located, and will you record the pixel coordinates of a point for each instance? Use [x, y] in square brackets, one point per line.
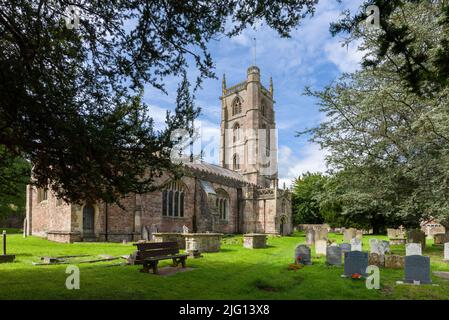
[310, 237]
[386, 246]
[417, 236]
[376, 259]
[355, 262]
[417, 269]
[413, 249]
[333, 256]
[356, 244]
[345, 247]
[393, 261]
[446, 251]
[320, 247]
[349, 234]
[302, 253]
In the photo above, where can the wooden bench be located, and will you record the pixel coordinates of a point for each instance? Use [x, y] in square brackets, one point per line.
[149, 255]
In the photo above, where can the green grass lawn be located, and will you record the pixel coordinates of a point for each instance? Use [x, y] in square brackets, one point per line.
[233, 273]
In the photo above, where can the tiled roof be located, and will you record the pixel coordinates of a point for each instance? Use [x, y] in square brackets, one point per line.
[216, 170]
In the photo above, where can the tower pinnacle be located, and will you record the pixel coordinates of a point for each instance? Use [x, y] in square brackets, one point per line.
[223, 84]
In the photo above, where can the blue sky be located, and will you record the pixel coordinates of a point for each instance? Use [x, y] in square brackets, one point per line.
[311, 57]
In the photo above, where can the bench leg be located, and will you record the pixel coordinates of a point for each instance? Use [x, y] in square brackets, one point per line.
[183, 262]
[155, 271]
[145, 268]
[175, 262]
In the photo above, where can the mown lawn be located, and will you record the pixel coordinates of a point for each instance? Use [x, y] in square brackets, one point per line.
[233, 273]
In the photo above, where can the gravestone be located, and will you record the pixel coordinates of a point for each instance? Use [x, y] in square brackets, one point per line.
[439, 238]
[446, 251]
[376, 259]
[417, 236]
[302, 251]
[349, 234]
[393, 261]
[320, 247]
[417, 269]
[413, 249]
[185, 229]
[310, 237]
[359, 234]
[333, 256]
[374, 246]
[386, 246]
[345, 247]
[356, 244]
[355, 262]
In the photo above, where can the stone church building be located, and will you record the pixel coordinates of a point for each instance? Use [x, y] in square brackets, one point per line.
[241, 195]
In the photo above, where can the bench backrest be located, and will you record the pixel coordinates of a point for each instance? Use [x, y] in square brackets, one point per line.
[156, 249]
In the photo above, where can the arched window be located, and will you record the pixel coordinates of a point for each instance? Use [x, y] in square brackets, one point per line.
[173, 199]
[236, 133]
[236, 106]
[266, 132]
[223, 204]
[236, 162]
[284, 207]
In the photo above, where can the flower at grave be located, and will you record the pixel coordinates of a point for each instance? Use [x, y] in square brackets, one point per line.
[356, 276]
[298, 259]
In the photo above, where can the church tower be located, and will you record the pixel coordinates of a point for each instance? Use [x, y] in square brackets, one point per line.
[248, 139]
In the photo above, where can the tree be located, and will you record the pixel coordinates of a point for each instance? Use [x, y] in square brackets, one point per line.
[14, 176]
[72, 74]
[390, 138]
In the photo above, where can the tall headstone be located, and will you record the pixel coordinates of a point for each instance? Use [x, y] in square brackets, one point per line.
[333, 255]
[446, 251]
[417, 269]
[386, 246]
[302, 252]
[417, 236]
[355, 262]
[310, 237]
[349, 234]
[356, 244]
[320, 247]
[413, 249]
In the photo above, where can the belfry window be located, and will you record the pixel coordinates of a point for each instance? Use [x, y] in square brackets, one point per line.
[173, 200]
[236, 106]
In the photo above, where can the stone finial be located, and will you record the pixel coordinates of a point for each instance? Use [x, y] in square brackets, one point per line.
[223, 84]
[271, 86]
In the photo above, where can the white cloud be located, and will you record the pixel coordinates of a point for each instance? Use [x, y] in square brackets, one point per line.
[346, 58]
[310, 159]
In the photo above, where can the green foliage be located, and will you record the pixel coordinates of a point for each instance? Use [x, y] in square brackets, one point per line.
[387, 138]
[70, 98]
[14, 176]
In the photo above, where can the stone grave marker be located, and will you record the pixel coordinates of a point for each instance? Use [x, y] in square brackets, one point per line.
[359, 234]
[413, 249]
[439, 238]
[446, 251]
[356, 244]
[310, 237]
[320, 247]
[417, 269]
[5, 257]
[345, 247]
[376, 259]
[333, 256]
[355, 262]
[302, 251]
[417, 236]
[386, 246]
[349, 234]
[374, 246]
[394, 261]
